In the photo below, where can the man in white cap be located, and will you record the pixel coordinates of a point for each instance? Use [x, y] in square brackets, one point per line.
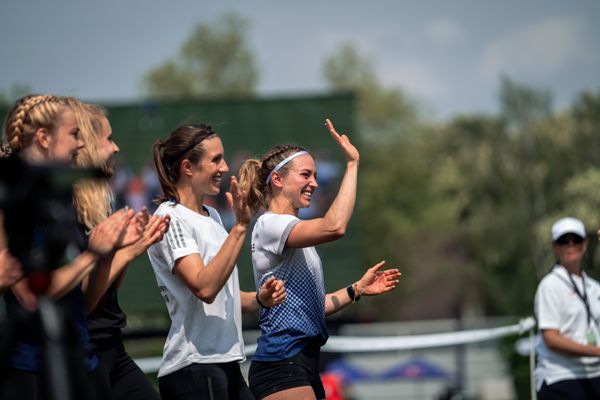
[567, 308]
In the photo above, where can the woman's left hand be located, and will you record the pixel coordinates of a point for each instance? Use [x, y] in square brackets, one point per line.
[272, 292]
[376, 282]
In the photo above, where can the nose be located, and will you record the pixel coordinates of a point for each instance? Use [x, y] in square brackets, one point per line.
[313, 182]
[224, 167]
[115, 148]
[80, 143]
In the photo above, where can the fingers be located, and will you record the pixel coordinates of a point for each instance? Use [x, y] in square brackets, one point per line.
[376, 267]
[233, 185]
[268, 283]
[229, 198]
[336, 136]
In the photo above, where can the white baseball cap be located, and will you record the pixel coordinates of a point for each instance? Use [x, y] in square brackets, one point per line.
[567, 225]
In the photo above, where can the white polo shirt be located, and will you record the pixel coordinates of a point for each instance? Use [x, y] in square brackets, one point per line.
[557, 306]
[200, 333]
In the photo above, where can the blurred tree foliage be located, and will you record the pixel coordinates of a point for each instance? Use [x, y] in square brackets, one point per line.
[16, 91]
[214, 60]
[464, 208]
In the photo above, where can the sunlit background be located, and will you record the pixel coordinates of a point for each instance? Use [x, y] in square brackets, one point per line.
[478, 124]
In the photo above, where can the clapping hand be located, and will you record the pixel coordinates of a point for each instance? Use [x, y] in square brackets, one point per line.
[272, 292]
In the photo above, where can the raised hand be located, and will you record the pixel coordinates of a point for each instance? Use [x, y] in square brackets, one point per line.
[343, 142]
[272, 292]
[237, 200]
[376, 282]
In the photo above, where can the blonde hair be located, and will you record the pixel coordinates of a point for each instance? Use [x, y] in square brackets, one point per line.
[29, 114]
[93, 198]
[254, 173]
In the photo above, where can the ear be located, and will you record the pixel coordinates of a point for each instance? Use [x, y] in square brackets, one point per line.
[186, 167]
[43, 137]
[277, 180]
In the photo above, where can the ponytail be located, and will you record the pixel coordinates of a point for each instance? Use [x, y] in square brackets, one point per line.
[166, 182]
[253, 185]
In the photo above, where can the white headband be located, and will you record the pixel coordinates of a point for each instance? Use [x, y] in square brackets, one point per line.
[285, 161]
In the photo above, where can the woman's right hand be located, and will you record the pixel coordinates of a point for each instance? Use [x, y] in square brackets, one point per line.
[350, 152]
[110, 232]
[238, 202]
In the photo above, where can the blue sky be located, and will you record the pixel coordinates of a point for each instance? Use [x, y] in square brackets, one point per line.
[448, 55]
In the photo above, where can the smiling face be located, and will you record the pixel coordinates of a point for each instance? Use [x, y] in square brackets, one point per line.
[106, 146]
[300, 181]
[64, 144]
[208, 172]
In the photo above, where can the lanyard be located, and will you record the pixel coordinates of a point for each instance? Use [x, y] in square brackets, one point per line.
[583, 296]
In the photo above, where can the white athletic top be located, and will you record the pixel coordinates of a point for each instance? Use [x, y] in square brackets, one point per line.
[557, 306]
[288, 327]
[200, 333]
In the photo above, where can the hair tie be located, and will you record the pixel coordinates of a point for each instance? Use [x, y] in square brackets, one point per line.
[6, 149]
[282, 163]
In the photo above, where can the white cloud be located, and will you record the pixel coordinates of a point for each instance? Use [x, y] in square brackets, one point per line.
[415, 76]
[545, 47]
[444, 32]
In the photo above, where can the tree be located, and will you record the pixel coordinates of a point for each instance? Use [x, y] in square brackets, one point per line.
[382, 112]
[214, 60]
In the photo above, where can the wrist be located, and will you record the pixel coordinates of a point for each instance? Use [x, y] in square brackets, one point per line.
[239, 229]
[353, 293]
[260, 303]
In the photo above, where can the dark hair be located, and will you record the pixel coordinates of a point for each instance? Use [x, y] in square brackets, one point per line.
[254, 173]
[184, 143]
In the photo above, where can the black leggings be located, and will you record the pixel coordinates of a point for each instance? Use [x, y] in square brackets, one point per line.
[205, 381]
[119, 372]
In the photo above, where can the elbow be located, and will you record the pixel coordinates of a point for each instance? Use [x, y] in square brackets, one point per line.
[206, 296]
[338, 232]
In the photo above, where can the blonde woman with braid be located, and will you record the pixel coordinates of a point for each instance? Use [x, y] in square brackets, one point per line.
[105, 317]
[286, 363]
[42, 129]
[195, 268]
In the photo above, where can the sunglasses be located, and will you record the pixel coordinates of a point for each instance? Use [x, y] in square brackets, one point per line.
[569, 238]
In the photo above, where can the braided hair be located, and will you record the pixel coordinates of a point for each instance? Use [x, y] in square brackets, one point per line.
[29, 114]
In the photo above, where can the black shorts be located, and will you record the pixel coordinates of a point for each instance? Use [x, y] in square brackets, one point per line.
[268, 377]
[205, 381]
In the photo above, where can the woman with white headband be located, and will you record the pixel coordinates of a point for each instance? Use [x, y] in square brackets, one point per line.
[286, 363]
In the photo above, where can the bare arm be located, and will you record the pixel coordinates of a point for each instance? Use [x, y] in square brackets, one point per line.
[111, 269]
[333, 225]
[555, 341]
[372, 283]
[102, 242]
[271, 293]
[205, 281]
